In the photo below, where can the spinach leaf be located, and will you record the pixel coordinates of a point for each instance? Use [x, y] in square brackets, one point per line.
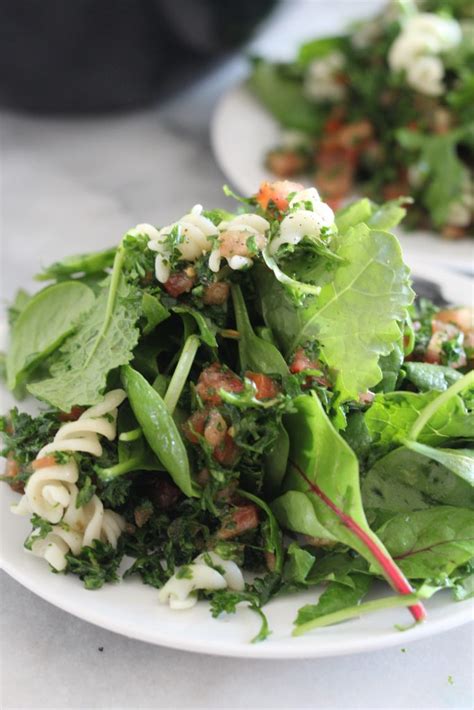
[283, 98]
[294, 511]
[336, 597]
[43, 324]
[357, 312]
[459, 461]
[391, 366]
[430, 544]
[325, 470]
[154, 312]
[255, 353]
[79, 373]
[79, 264]
[159, 429]
[405, 481]
[428, 377]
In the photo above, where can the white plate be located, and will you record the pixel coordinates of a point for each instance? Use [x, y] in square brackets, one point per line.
[132, 609]
[242, 132]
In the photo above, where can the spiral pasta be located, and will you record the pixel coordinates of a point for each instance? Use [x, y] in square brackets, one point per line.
[307, 219]
[180, 590]
[51, 491]
[192, 240]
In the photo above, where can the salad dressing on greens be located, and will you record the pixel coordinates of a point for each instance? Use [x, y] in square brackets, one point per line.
[251, 392]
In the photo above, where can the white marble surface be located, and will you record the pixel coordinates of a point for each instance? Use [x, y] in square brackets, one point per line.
[71, 185]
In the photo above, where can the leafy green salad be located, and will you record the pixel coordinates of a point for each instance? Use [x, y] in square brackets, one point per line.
[250, 393]
[386, 107]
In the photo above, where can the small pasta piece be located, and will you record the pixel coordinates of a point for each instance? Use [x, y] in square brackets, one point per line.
[180, 591]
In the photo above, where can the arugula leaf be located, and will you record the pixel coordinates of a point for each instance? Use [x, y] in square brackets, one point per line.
[355, 317]
[78, 375]
[336, 597]
[298, 565]
[428, 377]
[405, 481]
[43, 324]
[430, 544]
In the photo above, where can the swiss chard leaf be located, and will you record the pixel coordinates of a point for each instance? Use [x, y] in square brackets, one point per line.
[325, 470]
[104, 340]
[430, 544]
[43, 324]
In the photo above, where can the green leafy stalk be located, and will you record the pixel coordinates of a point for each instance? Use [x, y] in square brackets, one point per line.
[180, 375]
[352, 612]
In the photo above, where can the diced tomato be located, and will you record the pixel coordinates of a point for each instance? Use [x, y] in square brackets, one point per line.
[165, 494]
[366, 397]
[71, 416]
[194, 427]
[287, 163]
[142, 515]
[276, 192]
[215, 428]
[394, 190]
[462, 318]
[450, 231]
[216, 294]
[266, 387]
[241, 520]
[227, 453]
[12, 469]
[235, 242]
[44, 462]
[335, 174]
[178, 284]
[355, 135]
[214, 378]
[441, 333]
[301, 362]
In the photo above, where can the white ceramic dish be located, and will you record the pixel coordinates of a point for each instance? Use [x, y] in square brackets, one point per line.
[242, 132]
[132, 609]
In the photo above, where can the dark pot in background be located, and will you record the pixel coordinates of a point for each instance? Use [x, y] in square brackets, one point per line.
[96, 55]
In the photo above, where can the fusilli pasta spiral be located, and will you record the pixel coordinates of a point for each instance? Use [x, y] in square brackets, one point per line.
[180, 590]
[51, 491]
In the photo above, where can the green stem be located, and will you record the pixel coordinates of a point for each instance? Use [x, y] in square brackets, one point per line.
[436, 404]
[131, 435]
[131, 464]
[109, 309]
[180, 375]
[351, 612]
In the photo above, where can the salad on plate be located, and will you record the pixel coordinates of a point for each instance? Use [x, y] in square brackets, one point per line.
[386, 108]
[247, 404]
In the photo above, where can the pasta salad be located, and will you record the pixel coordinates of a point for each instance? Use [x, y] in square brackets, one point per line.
[242, 405]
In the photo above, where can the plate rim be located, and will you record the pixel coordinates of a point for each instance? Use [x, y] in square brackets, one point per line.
[463, 613]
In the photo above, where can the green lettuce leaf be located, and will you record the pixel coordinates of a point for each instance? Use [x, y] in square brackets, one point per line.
[355, 317]
[79, 374]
